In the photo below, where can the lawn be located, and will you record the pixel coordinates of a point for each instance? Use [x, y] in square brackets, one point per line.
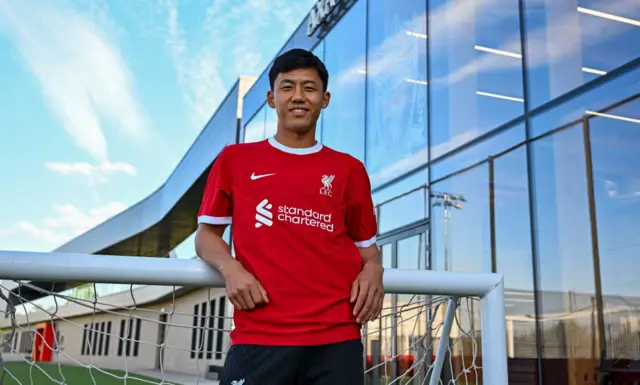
[74, 375]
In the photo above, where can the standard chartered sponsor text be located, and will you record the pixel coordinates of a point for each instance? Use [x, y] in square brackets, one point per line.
[307, 217]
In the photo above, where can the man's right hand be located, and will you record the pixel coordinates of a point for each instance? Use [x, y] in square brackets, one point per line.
[243, 289]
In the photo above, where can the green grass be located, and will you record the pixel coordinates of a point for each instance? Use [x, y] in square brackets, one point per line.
[27, 374]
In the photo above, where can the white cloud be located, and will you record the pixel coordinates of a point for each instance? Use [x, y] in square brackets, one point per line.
[238, 37]
[93, 173]
[67, 223]
[82, 75]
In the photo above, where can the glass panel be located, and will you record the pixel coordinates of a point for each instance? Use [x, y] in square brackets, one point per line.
[615, 145]
[407, 183]
[513, 260]
[271, 124]
[597, 36]
[481, 151]
[565, 260]
[476, 69]
[461, 242]
[460, 222]
[396, 88]
[319, 52]
[255, 98]
[387, 256]
[412, 319]
[254, 130]
[344, 119]
[587, 103]
[411, 253]
[300, 38]
[403, 210]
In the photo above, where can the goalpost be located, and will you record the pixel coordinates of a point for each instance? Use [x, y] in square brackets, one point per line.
[184, 301]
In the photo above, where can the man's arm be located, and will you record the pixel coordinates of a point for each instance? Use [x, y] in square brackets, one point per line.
[367, 292]
[212, 248]
[243, 289]
[215, 214]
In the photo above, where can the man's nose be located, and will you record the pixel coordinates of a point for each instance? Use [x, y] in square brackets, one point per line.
[298, 95]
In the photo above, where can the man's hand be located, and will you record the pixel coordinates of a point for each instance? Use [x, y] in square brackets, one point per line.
[243, 289]
[367, 293]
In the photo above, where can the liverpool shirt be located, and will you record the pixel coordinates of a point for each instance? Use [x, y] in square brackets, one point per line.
[298, 217]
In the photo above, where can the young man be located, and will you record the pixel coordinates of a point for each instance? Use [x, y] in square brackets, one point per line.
[307, 272]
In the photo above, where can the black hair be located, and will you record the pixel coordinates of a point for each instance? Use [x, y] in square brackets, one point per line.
[295, 59]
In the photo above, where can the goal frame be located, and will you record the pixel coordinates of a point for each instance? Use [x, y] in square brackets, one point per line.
[92, 268]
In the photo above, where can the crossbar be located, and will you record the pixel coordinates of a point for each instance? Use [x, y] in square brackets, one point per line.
[71, 267]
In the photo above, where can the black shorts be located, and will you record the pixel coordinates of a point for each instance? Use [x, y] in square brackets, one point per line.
[332, 364]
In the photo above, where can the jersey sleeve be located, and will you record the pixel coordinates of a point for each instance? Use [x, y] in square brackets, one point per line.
[217, 206]
[362, 225]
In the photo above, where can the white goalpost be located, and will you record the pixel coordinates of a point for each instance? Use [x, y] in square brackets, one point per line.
[172, 322]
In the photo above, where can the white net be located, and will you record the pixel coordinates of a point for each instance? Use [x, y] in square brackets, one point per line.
[402, 346]
[175, 335]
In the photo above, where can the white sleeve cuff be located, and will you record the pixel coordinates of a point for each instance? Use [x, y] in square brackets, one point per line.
[367, 243]
[214, 220]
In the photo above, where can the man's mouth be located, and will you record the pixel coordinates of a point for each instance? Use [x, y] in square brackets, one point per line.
[299, 112]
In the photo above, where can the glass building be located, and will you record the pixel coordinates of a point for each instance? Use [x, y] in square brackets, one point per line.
[499, 135]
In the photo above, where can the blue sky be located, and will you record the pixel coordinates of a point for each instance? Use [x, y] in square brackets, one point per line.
[104, 98]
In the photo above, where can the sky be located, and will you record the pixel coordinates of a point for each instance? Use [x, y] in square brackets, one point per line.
[103, 98]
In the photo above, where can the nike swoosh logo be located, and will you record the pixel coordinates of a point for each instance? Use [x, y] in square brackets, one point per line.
[254, 176]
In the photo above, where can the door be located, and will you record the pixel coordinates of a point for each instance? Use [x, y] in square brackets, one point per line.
[395, 337]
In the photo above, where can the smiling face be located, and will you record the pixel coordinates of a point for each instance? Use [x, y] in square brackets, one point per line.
[298, 98]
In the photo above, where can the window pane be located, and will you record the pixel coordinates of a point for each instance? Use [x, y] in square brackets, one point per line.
[460, 221]
[319, 52]
[403, 210]
[565, 260]
[476, 69]
[344, 119]
[407, 183]
[615, 147]
[254, 130]
[479, 152]
[396, 88]
[271, 124]
[513, 260]
[597, 36]
[412, 317]
[601, 97]
[387, 255]
[461, 242]
[254, 99]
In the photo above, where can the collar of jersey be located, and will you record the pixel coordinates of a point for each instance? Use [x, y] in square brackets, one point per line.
[296, 151]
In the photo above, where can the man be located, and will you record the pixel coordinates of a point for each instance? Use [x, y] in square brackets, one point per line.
[307, 273]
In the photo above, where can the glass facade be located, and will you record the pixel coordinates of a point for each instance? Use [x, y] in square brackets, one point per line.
[503, 136]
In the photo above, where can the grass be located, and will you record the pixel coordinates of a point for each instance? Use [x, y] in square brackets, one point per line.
[27, 374]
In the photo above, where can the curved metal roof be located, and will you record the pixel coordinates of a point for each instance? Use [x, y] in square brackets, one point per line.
[160, 222]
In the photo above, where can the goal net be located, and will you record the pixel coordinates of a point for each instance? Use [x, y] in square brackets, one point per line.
[143, 332]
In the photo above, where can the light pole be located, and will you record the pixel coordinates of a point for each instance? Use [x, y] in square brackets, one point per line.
[447, 200]
[454, 201]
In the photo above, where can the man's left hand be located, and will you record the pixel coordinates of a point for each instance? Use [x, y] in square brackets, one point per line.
[367, 293]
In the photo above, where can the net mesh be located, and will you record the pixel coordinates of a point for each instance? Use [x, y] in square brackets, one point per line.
[174, 335]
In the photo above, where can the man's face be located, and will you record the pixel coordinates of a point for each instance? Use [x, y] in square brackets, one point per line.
[298, 99]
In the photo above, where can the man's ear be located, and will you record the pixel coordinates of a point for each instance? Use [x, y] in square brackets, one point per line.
[271, 99]
[326, 99]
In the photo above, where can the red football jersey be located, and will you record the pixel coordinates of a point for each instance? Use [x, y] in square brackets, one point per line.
[299, 216]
